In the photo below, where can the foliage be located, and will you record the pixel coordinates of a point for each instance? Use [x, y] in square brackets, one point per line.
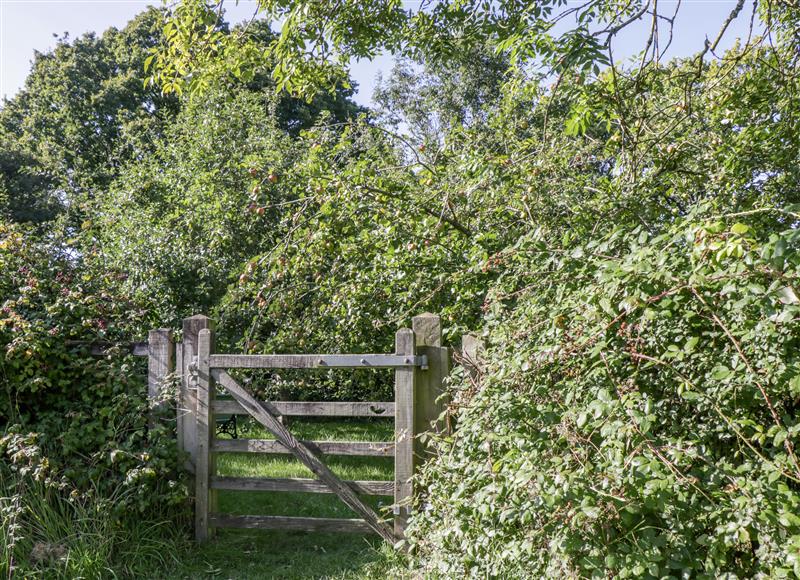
[84, 111]
[637, 413]
[50, 529]
[428, 102]
[86, 114]
[624, 235]
[25, 197]
[319, 39]
[89, 414]
[636, 416]
[181, 221]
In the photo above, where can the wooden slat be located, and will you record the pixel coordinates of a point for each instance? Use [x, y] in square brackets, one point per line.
[204, 466]
[314, 409]
[160, 363]
[404, 432]
[364, 448]
[315, 361]
[472, 352]
[180, 415]
[429, 401]
[266, 414]
[187, 397]
[286, 523]
[297, 485]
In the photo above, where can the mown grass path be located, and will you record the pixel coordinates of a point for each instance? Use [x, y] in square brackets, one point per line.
[272, 554]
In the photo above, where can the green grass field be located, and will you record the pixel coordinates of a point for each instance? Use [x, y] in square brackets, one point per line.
[274, 554]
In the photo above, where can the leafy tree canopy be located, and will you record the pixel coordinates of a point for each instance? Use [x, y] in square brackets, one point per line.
[87, 111]
[318, 39]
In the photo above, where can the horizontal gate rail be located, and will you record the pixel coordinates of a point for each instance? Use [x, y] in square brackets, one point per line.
[288, 523]
[267, 416]
[363, 448]
[311, 409]
[315, 361]
[419, 363]
[298, 485]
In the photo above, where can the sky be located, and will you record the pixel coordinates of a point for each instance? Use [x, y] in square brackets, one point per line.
[29, 25]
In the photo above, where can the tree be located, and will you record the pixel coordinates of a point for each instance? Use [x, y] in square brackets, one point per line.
[84, 111]
[319, 39]
[428, 101]
[26, 196]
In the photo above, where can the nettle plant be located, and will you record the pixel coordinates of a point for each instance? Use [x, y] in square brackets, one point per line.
[637, 414]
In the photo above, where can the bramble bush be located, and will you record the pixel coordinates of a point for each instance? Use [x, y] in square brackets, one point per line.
[76, 433]
[637, 413]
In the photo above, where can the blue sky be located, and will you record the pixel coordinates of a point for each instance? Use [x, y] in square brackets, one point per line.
[28, 25]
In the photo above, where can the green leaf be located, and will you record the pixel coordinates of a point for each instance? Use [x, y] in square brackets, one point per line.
[794, 386]
[787, 295]
[721, 373]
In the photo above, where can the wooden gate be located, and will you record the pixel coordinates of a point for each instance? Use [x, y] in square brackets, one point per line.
[419, 363]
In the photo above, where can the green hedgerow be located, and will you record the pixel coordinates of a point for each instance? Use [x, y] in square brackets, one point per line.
[637, 414]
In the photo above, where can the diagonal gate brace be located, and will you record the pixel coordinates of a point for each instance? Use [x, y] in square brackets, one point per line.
[265, 414]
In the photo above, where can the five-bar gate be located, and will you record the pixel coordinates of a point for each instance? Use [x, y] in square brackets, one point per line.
[419, 363]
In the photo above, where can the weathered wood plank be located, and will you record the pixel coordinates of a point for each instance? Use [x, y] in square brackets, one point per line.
[429, 401]
[204, 464]
[363, 448]
[472, 352]
[314, 361]
[314, 409]
[286, 523]
[160, 363]
[427, 329]
[265, 414]
[297, 485]
[180, 415]
[187, 397]
[404, 431]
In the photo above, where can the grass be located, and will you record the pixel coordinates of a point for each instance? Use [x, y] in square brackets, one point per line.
[256, 554]
[45, 535]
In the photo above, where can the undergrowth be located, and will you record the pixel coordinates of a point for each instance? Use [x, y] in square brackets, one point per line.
[48, 530]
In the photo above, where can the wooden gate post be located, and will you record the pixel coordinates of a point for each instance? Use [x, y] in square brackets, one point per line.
[429, 384]
[187, 397]
[160, 363]
[472, 349]
[205, 497]
[404, 431]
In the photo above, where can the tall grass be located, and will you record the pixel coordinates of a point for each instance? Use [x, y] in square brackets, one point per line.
[47, 533]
